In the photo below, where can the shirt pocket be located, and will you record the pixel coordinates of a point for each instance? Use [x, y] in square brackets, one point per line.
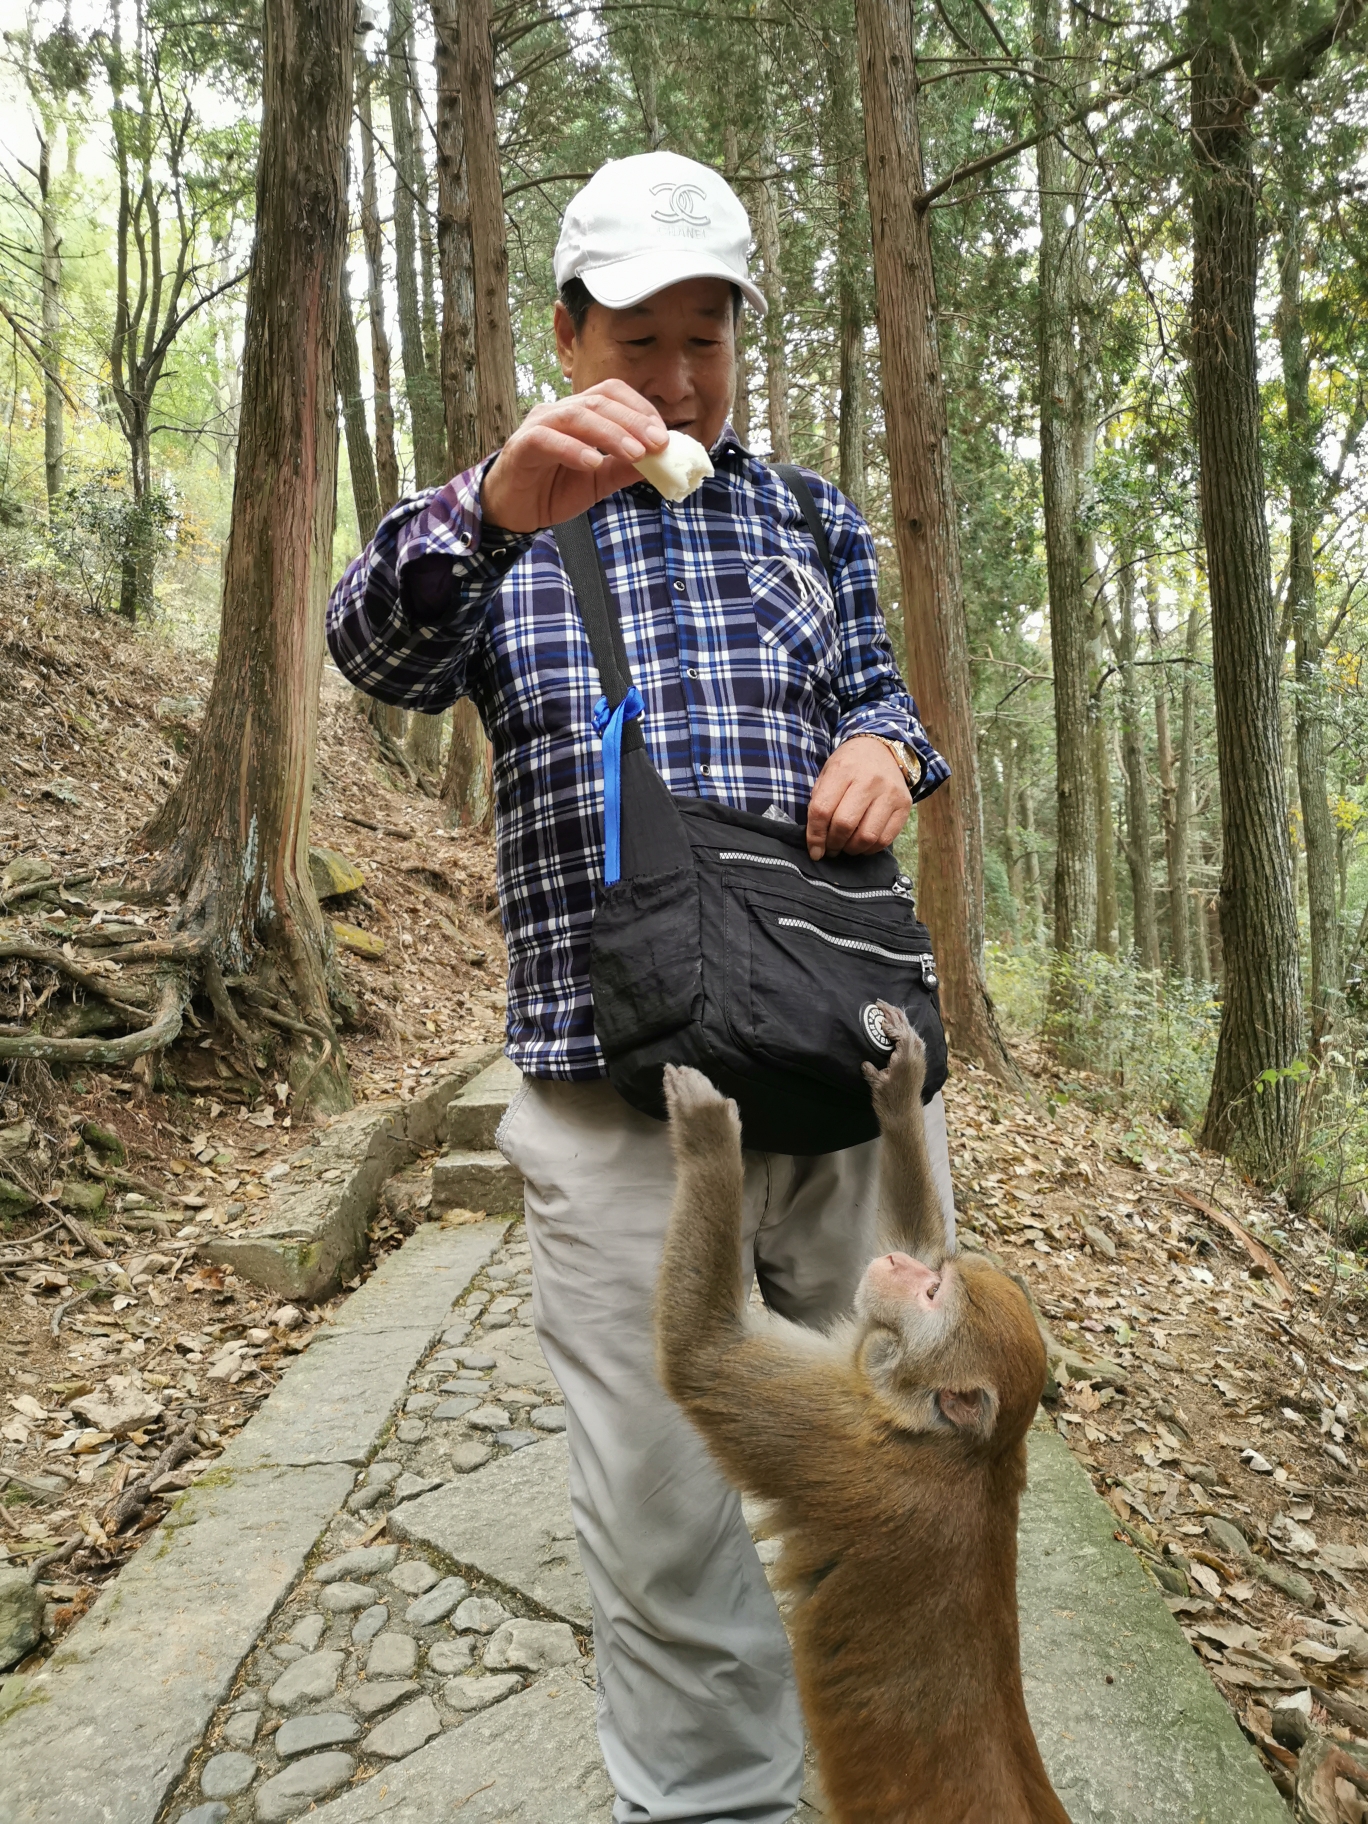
[795, 613]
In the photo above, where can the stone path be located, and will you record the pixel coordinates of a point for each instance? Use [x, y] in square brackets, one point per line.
[373, 1608]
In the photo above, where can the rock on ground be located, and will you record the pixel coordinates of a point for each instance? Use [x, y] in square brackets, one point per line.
[534, 1646]
[289, 1792]
[406, 1730]
[21, 1617]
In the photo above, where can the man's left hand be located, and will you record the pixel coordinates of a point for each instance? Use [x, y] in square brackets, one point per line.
[860, 801]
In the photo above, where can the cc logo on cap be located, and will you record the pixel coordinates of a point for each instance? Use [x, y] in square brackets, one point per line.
[682, 206]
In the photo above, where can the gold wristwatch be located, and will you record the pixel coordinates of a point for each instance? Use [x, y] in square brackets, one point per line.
[909, 761]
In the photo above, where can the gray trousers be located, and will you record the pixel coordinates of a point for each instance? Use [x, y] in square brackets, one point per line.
[698, 1714]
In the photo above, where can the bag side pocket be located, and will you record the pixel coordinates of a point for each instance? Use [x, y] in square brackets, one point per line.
[645, 967]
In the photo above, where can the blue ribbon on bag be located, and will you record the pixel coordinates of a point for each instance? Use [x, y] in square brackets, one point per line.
[609, 724]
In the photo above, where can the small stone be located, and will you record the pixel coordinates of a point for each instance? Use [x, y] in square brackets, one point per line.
[240, 1730]
[456, 1409]
[455, 1334]
[215, 1813]
[226, 1775]
[308, 1631]
[475, 1358]
[410, 1431]
[367, 1626]
[1169, 1577]
[21, 1617]
[1098, 1242]
[515, 1440]
[414, 1576]
[410, 1485]
[307, 1681]
[488, 1418]
[406, 1730]
[359, 942]
[420, 1403]
[123, 1409]
[497, 1320]
[1292, 1719]
[324, 1729]
[370, 1699]
[549, 1418]
[1259, 1465]
[288, 1793]
[332, 874]
[438, 1603]
[1298, 1588]
[535, 1646]
[479, 1693]
[465, 1384]
[447, 1656]
[382, 1474]
[288, 1651]
[465, 1457]
[1228, 1538]
[392, 1656]
[364, 1561]
[361, 1500]
[345, 1598]
[481, 1614]
[286, 1317]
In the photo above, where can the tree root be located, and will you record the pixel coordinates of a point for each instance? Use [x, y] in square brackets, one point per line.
[48, 958]
[132, 1501]
[164, 1029]
[32, 888]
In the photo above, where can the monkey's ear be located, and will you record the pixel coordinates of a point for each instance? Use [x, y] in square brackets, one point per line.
[971, 1409]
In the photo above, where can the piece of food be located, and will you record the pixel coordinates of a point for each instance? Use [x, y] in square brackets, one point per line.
[679, 467]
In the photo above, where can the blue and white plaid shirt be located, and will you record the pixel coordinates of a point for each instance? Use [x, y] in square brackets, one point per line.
[750, 670]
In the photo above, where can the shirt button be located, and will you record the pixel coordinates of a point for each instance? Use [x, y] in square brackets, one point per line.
[691, 671]
[706, 771]
[679, 588]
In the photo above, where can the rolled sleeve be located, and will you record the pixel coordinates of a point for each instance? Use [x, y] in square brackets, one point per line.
[406, 614]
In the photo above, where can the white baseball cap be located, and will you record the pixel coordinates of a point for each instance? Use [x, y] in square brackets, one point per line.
[643, 223]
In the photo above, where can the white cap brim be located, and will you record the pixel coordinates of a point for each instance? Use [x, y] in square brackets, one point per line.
[622, 283]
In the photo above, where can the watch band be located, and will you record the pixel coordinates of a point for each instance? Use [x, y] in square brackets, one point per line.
[909, 762]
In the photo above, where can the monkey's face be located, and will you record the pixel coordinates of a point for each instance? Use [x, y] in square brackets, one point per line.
[950, 1349]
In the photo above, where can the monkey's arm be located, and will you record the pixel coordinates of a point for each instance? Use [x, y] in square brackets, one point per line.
[910, 1213]
[752, 1392]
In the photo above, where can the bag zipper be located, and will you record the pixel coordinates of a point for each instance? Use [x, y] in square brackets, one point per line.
[927, 964]
[901, 889]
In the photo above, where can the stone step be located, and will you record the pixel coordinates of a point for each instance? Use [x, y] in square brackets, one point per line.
[472, 1117]
[476, 1181]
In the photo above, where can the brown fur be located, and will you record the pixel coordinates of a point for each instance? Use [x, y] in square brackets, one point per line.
[895, 1448]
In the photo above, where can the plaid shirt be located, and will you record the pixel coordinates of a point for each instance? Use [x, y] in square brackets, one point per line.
[751, 672]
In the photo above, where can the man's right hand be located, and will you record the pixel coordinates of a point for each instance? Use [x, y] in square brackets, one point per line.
[565, 457]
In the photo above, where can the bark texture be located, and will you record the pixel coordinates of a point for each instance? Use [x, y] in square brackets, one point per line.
[1075, 902]
[950, 824]
[360, 455]
[54, 421]
[1137, 783]
[454, 256]
[1251, 1115]
[852, 244]
[1180, 892]
[386, 456]
[496, 379]
[236, 830]
[420, 386]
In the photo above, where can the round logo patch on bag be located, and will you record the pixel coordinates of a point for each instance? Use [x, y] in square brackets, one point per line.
[874, 1028]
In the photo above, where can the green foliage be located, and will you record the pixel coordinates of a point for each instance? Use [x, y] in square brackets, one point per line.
[1150, 1040]
[98, 527]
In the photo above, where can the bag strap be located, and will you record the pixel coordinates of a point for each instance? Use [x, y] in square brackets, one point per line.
[802, 493]
[598, 610]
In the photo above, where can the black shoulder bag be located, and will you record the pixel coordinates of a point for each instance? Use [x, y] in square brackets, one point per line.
[718, 942]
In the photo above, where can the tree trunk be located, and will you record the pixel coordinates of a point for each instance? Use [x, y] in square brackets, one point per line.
[1137, 785]
[386, 456]
[54, 424]
[420, 386]
[453, 247]
[1034, 900]
[852, 262]
[1107, 929]
[466, 789]
[423, 742]
[772, 284]
[360, 456]
[236, 829]
[1163, 741]
[1308, 697]
[740, 412]
[1076, 843]
[950, 823]
[496, 384]
[1011, 858]
[1252, 1114]
[427, 246]
[138, 565]
[1180, 893]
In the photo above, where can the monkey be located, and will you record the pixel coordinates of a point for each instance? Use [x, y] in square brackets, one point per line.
[894, 1447]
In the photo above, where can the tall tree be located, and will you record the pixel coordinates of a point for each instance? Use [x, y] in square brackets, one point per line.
[360, 455]
[1308, 704]
[236, 829]
[1163, 740]
[1133, 765]
[950, 823]
[420, 386]
[852, 257]
[496, 375]
[1183, 911]
[372, 235]
[1076, 846]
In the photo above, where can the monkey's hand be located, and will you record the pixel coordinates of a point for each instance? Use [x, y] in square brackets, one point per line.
[897, 1088]
[702, 1120]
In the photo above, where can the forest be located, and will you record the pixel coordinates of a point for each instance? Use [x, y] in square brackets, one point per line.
[1071, 299]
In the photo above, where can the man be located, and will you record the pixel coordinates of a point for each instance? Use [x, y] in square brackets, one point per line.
[764, 689]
